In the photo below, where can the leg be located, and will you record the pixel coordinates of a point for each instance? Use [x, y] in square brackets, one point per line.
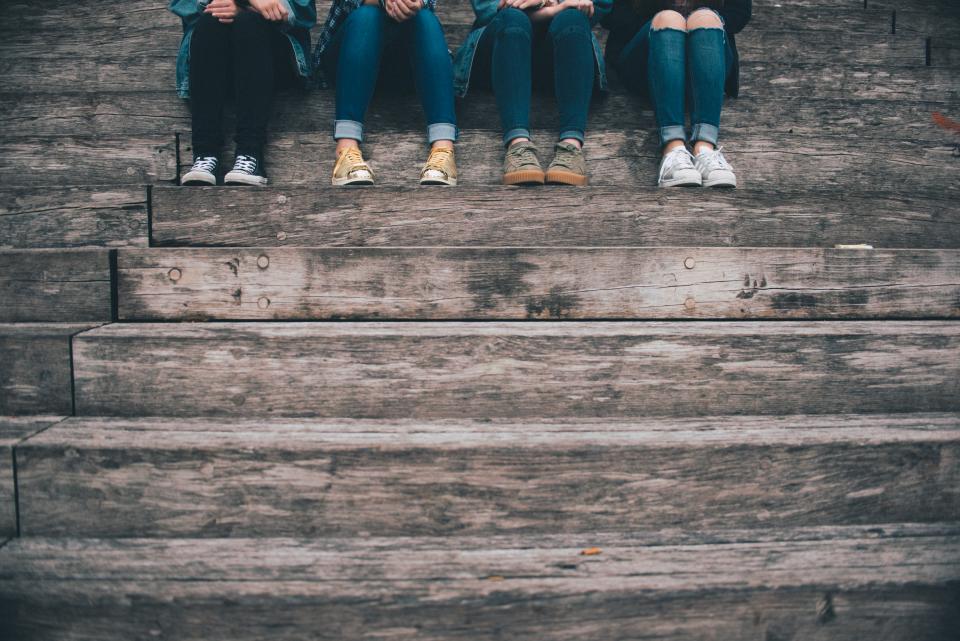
[707, 56]
[210, 52]
[358, 65]
[509, 39]
[433, 75]
[573, 67]
[667, 75]
[254, 73]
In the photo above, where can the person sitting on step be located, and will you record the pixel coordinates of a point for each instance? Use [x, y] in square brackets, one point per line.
[682, 54]
[349, 53]
[247, 47]
[513, 40]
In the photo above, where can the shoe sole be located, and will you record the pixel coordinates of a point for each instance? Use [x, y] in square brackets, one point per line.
[351, 182]
[681, 182]
[525, 177]
[449, 182]
[198, 179]
[722, 182]
[555, 177]
[234, 179]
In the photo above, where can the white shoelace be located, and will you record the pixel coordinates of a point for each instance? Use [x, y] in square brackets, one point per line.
[679, 158]
[711, 160]
[246, 164]
[205, 163]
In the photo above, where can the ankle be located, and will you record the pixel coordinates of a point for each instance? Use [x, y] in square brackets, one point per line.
[700, 146]
[517, 140]
[441, 144]
[573, 141]
[346, 143]
[672, 145]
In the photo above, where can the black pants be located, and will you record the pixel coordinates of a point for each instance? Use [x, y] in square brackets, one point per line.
[249, 55]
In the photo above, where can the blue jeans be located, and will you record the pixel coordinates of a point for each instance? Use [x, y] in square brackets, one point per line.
[417, 43]
[512, 48]
[669, 65]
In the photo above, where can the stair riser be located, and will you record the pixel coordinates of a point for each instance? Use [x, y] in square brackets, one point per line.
[56, 285]
[516, 370]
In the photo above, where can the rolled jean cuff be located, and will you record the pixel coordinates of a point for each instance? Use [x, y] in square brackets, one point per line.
[348, 129]
[672, 132]
[518, 132]
[441, 131]
[706, 133]
[576, 134]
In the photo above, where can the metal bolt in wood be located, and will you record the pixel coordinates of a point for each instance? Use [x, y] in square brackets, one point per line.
[174, 274]
[263, 302]
[263, 261]
[689, 262]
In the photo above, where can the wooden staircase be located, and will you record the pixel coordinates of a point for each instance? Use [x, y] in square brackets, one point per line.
[483, 413]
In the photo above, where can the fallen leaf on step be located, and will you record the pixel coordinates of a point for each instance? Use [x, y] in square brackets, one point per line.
[495, 578]
[591, 552]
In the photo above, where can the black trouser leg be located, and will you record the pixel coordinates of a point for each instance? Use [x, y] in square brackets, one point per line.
[210, 48]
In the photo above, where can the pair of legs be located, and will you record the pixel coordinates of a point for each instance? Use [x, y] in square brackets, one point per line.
[250, 59]
[414, 47]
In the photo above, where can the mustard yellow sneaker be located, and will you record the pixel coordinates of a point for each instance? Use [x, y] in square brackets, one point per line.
[441, 168]
[351, 169]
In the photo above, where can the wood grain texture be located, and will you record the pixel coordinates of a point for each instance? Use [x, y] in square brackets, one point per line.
[502, 369]
[205, 478]
[97, 160]
[498, 588]
[35, 375]
[536, 283]
[13, 431]
[44, 216]
[55, 285]
[598, 216]
[616, 156]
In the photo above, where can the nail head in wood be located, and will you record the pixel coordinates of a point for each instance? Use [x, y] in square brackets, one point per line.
[690, 303]
[281, 236]
[175, 274]
[263, 261]
[263, 302]
[689, 262]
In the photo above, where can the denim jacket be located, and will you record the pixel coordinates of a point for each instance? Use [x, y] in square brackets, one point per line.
[485, 10]
[301, 16]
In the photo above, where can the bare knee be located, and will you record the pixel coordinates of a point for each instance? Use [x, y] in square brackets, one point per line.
[704, 19]
[669, 20]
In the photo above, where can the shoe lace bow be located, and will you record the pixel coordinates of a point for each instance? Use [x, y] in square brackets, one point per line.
[679, 158]
[246, 164]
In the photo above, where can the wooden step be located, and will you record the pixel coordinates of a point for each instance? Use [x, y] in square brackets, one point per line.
[597, 216]
[14, 431]
[513, 370]
[615, 155]
[536, 283]
[205, 478]
[56, 285]
[73, 217]
[35, 367]
[842, 584]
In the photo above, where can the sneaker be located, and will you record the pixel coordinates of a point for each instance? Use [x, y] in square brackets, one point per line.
[203, 172]
[569, 167]
[677, 170]
[247, 170]
[521, 165]
[715, 169]
[351, 169]
[441, 168]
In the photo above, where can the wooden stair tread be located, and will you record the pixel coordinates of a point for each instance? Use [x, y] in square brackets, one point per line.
[13, 430]
[899, 577]
[56, 285]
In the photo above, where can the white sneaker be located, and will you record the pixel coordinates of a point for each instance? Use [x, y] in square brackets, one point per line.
[203, 172]
[677, 170]
[715, 169]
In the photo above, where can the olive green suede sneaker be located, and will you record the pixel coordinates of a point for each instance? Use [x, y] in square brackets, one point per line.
[521, 165]
[569, 167]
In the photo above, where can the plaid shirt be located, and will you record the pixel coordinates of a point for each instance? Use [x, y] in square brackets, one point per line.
[339, 11]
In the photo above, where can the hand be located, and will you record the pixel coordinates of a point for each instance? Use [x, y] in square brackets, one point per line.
[401, 10]
[274, 10]
[583, 6]
[223, 10]
[522, 5]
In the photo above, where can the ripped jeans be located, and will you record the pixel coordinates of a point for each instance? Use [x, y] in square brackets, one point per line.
[669, 65]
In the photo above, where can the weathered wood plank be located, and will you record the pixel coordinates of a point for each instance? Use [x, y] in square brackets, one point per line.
[35, 368]
[596, 216]
[12, 432]
[503, 369]
[81, 160]
[45, 216]
[55, 285]
[616, 155]
[165, 478]
[536, 283]
[519, 588]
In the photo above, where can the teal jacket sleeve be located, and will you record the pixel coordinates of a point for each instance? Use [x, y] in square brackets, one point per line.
[301, 13]
[187, 8]
[601, 9]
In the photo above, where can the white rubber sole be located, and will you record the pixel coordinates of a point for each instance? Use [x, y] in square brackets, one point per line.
[449, 182]
[244, 179]
[726, 180]
[198, 178]
[351, 182]
[684, 181]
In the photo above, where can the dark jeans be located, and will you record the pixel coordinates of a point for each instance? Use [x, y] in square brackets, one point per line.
[512, 49]
[414, 47]
[251, 58]
[670, 65]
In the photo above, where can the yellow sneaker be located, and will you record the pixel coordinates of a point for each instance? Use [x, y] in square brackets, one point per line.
[351, 169]
[441, 168]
